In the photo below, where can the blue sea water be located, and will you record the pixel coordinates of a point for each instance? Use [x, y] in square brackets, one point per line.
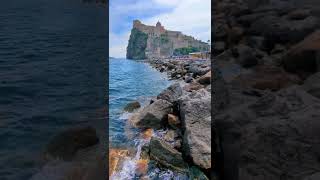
[52, 76]
[129, 80]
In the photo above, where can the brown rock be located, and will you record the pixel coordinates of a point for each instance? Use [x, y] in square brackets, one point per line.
[173, 120]
[205, 79]
[194, 86]
[304, 56]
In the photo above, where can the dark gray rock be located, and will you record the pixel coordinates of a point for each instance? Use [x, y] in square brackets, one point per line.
[166, 155]
[130, 107]
[195, 113]
[246, 56]
[172, 93]
[153, 115]
[312, 85]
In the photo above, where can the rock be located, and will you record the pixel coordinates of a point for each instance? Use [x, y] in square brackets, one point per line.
[205, 79]
[265, 77]
[275, 135]
[312, 85]
[153, 115]
[67, 143]
[194, 86]
[170, 136]
[173, 121]
[177, 144]
[197, 70]
[116, 156]
[132, 106]
[235, 34]
[188, 79]
[171, 94]
[304, 56]
[314, 176]
[219, 47]
[256, 42]
[165, 155]
[245, 56]
[196, 173]
[299, 14]
[195, 113]
[281, 30]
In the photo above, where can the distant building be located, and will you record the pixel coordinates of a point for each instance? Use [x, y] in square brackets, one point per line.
[200, 55]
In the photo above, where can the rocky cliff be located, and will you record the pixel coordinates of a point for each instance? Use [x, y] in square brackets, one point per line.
[155, 41]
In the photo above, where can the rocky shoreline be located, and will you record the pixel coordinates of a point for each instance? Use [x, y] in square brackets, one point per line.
[183, 113]
[266, 89]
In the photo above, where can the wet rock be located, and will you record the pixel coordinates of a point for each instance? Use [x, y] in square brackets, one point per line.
[205, 79]
[196, 173]
[173, 121]
[304, 56]
[153, 115]
[165, 155]
[67, 143]
[170, 136]
[172, 93]
[195, 113]
[132, 106]
[312, 85]
[116, 157]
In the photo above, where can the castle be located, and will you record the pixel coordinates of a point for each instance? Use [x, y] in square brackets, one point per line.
[162, 42]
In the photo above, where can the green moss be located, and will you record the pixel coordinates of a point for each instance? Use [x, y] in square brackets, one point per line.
[137, 45]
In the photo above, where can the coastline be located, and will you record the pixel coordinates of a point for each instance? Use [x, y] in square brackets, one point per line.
[166, 123]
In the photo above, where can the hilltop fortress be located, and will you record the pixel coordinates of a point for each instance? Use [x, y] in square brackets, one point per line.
[155, 41]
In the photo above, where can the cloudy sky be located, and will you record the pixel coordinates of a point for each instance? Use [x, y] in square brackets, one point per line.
[192, 17]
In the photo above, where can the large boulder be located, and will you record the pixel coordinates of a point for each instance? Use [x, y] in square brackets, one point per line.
[166, 155]
[172, 93]
[275, 136]
[198, 70]
[153, 115]
[304, 56]
[312, 85]
[67, 143]
[195, 113]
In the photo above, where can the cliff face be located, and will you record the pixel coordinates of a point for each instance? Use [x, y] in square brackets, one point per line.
[155, 41]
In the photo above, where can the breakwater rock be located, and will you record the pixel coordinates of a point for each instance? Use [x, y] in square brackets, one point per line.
[184, 115]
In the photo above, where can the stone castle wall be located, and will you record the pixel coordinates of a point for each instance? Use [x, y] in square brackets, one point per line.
[162, 42]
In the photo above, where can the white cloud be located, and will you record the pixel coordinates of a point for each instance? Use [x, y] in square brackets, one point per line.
[192, 17]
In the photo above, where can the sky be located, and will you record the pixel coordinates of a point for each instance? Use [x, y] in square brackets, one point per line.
[191, 17]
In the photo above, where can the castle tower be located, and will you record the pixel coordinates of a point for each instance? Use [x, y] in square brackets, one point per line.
[159, 28]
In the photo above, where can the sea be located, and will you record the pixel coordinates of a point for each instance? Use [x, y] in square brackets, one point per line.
[53, 75]
[134, 80]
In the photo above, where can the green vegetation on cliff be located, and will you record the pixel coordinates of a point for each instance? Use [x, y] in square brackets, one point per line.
[137, 45]
[185, 51]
